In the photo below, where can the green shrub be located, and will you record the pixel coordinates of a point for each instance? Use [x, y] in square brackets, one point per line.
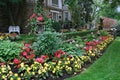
[73, 34]
[103, 33]
[9, 50]
[46, 43]
[57, 26]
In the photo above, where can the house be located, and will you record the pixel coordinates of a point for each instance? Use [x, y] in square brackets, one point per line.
[56, 8]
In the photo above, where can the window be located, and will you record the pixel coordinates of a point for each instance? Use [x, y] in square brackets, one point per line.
[55, 2]
[55, 16]
[66, 15]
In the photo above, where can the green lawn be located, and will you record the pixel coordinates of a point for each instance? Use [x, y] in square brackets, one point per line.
[105, 68]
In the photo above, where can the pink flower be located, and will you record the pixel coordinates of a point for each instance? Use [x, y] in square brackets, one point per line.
[27, 45]
[33, 16]
[16, 61]
[24, 53]
[40, 19]
[40, 60]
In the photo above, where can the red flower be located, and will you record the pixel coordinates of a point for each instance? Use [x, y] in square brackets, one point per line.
[40, 60]
[40, 18]
[44, 56]
[18, 66]
[58, 53]
[16, 61]
[27, 49]
[87, 48]
[31, 56]
[24, 53]
[33, 16]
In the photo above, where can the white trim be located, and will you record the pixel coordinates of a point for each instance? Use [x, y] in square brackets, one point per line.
[54, 11]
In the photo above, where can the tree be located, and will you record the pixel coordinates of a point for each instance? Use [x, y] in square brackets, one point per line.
[81, 11]
[13, 9]
[108, 8]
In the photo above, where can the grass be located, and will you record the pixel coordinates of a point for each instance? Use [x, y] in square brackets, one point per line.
[105, 68]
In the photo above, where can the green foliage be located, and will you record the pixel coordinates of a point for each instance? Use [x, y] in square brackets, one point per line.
[103, 33]
[117, 30]
[9, 50]
[108, 64]
[27, 38]
[57, 26]
[74, 34]
[81, 11]
[46, 43]
[71, 49]
[89, 37]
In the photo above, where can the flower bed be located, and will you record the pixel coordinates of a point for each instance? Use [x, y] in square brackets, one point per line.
[29, 66]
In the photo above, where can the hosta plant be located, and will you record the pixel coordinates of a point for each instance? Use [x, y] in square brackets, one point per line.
[9, 50]
[46, 43]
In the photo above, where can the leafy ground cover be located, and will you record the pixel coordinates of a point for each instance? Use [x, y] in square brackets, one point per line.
[106, 68]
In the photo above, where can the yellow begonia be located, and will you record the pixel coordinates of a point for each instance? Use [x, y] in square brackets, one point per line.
[33, 73]
[39, 72]
[18, 78]
[3, 70]
[22, 65]
[16, 74]
[11, 79]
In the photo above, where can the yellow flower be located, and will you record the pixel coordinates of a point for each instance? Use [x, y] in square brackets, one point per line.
[10, 72]
[21, 74]
[58, 67]
[9, 67]
[39, 71]
[44, 70]
[4, 77]
[18, 78]
[72, 58]
[28, 69]
[90, 51]
[22, 64]
[59, 62]
[46, 65]
[33, 73]
[68, 59]
[93, 54]
[3, 70]
[16, 74]
[11, 78]
[36, 62]
[53, 71]
[66, 62]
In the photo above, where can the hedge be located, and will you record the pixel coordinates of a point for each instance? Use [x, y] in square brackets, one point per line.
[80, 33]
